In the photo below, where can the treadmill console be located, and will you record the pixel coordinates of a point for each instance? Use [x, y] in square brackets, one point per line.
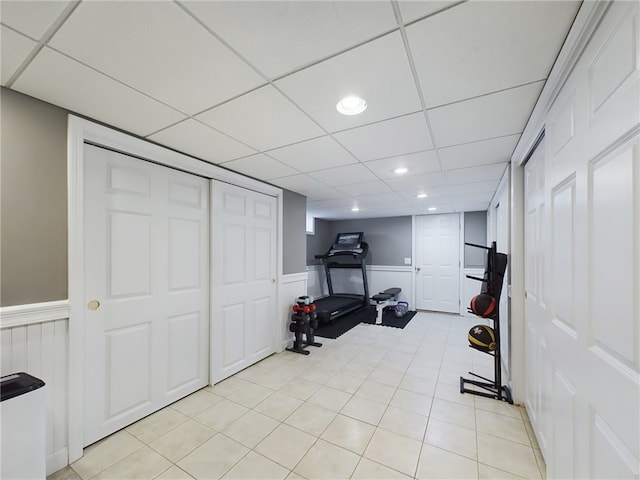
[347, 243]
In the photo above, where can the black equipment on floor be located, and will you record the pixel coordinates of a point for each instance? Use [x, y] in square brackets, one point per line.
[348, 251]
[483, 338]
[304, 321]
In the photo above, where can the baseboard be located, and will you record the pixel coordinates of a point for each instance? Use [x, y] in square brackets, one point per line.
[286, 343]
[57, 460]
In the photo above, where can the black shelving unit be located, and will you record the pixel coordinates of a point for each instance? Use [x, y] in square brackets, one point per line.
[496, 266]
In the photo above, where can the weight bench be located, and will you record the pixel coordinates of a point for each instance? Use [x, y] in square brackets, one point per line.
[383, 299]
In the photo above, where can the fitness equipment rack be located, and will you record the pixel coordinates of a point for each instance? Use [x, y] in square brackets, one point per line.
[495, 269]
[304, 320]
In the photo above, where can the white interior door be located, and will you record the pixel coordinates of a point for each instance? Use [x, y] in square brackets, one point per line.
[147, 288]
[438, 262]
[536, 297]
[583, 262]
[243, 278]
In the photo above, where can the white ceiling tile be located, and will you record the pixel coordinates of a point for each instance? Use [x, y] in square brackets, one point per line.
[14, 50]
[344, 204]
[397, 207]
[33, 18]
[201, 141]
[184, 65]
[475, 187]
[335, 177]
[279, 36]
[389, 138]
[440, 207]
[260, 166]
[263, 119]
[411, 194]
[475, 174]
[472, 202]
[495, 150]
[380, 198]
[414, 9]
[325, 193]
[367, 188]
[471, 206]
[299, 183]
[144, 65]
[336, 208]
[80, 89]
[506, 41]
[416, 163]
[417, 182]
[496, 115]
[341, 208]
[316, 154]
[377, 71]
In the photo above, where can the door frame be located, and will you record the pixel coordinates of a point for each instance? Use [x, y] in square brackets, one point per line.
[585, 24]
[79, 132]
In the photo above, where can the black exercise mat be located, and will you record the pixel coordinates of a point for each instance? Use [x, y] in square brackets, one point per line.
[346, 323]
[343, 324]
[389, 319]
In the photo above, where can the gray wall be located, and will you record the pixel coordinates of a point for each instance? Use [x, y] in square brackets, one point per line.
[475, 231]
[33, 204]
[294, 220]
[33, 201]
[319, 242]
[389, 238]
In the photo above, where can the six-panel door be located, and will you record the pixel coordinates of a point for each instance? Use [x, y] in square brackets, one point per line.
[147, 288]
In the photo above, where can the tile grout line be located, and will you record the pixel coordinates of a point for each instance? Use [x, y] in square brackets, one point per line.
[403, 360]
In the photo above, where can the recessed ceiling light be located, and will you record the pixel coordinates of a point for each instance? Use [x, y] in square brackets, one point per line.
[432, 209]
[400, 170]
[351, 105]
[422, 195]
[355, 209]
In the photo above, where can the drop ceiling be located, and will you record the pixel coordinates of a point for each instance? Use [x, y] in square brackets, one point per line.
[252, 86]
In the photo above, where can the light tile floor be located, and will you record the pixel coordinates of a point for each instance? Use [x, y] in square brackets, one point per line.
[376, 403]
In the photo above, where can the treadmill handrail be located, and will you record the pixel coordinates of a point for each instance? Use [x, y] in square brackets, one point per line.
[360, 257]
[344, 265]
[364, 249]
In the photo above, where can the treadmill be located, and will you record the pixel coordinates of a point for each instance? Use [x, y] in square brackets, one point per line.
[348, 251]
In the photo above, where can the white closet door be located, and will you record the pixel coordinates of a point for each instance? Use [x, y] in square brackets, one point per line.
[536, 298]
[147, 288]
[438, 262]
[243, 278]
[583, 334]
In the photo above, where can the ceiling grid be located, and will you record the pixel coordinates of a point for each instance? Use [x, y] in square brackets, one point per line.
[252, 86]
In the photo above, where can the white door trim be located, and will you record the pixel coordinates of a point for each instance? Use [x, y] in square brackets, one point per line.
[81, 131]
[583, 27]
[462, 309]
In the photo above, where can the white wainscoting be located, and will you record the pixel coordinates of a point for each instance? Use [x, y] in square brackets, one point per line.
[316, 285]
[291, 287]
[35, 339]
[379, 277]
